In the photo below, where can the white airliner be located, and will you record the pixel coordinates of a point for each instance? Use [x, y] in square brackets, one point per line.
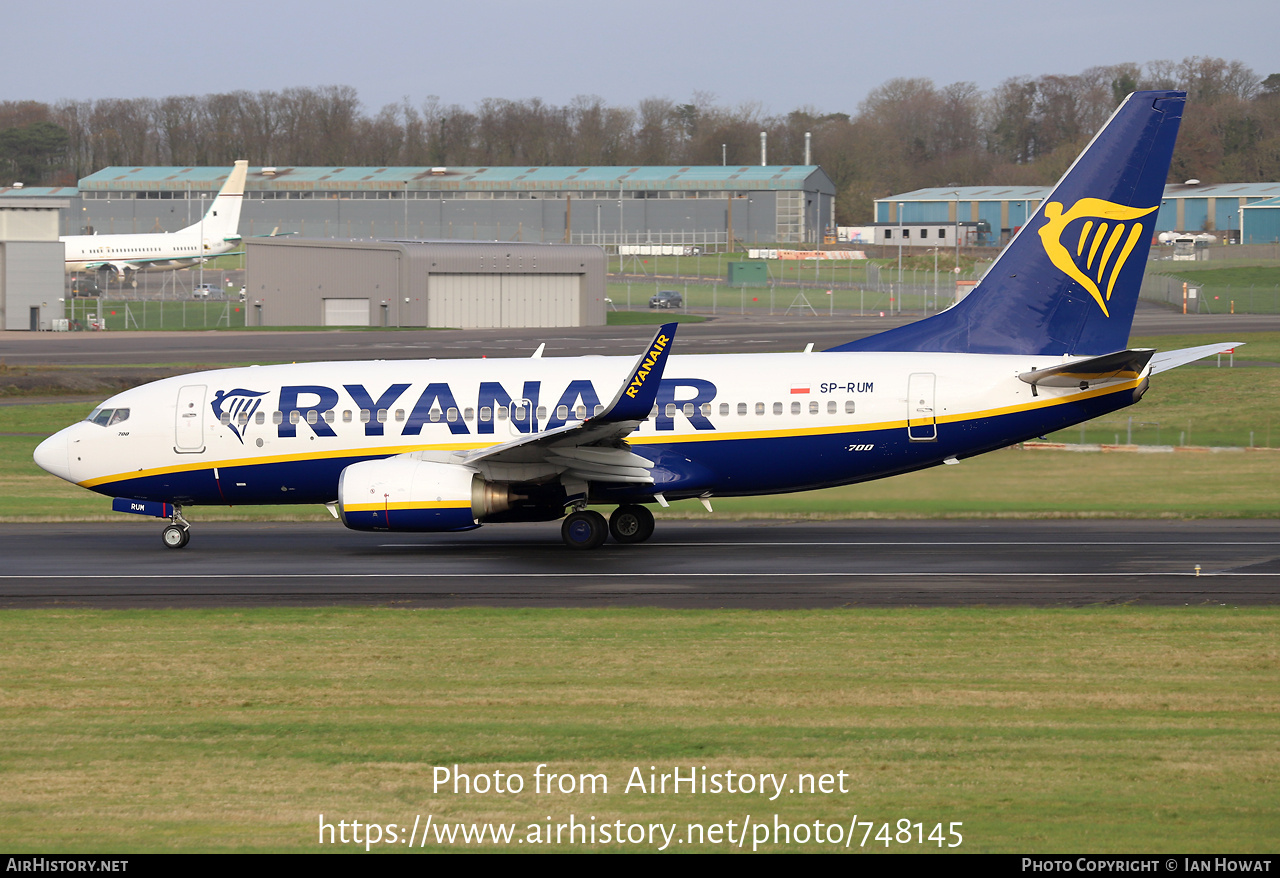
[216, 233]
[448, 445]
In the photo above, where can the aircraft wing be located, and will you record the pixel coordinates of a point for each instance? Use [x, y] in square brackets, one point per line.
[593, 450]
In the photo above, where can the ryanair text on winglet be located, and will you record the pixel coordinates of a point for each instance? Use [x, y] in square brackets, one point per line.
[637, 382]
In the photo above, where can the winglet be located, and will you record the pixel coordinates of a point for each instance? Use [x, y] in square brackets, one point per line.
[634, 400]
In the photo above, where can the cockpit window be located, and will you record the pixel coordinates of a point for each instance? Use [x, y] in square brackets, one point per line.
[108, 417]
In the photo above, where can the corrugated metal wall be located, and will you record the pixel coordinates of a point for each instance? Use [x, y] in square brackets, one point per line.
[410, 283]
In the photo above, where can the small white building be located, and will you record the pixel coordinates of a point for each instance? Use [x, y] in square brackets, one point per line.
[31, 263]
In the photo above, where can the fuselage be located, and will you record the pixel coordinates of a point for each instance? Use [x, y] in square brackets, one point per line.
[144, 252]
[722, 425]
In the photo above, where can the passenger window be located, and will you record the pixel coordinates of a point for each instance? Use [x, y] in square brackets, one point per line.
[831, 407]
[295, 417]
[224, 418]
[742, 408]
[346, 416]
[277, 417]
[671, 410]
[312, 417]
[581, 412]
[382, 416]
[452, 415]
[260, 418]
[434, 415]
[562, 412]
[542, 413]
[328, 416]
[813, 407]
[759, 408]
[795, 408]
[364, 416]
[724, 409]
[598, 410]
[467, 414]
[399, 414]
[706, 409]
[521, 412]
[848, 407]
[688, 410]
[486, 414]
[502, 413]
[777, 408]
[242, 418]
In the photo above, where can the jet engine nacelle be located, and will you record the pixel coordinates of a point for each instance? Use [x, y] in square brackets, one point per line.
[403, 494]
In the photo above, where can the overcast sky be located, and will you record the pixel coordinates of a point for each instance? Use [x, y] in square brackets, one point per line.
[819, 54]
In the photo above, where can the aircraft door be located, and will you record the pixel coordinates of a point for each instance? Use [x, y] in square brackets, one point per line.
[189, 429]
[922, 425]
[523, 420]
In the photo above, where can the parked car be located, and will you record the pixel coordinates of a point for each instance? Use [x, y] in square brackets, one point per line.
[204, 291]
[667, 299]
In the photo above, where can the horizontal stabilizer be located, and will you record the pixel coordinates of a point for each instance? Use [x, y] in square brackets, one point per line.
[1166, 360]
[1120, 366]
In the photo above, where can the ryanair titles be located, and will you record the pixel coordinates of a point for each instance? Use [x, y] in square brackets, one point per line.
[529, 410]
[651, 359]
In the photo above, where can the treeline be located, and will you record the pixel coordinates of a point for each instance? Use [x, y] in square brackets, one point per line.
[907, 134]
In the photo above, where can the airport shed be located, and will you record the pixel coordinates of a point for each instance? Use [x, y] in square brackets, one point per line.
[611, 205]
[31, 262]
[1186, 207]
[1260, 222]
[471, 285]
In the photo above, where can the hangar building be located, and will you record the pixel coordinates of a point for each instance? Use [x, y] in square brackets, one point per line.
[31, 262]
[1001, 210]
[326, 282]
[696, 205]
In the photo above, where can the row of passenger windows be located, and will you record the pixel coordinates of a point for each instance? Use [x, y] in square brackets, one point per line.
[520, 413]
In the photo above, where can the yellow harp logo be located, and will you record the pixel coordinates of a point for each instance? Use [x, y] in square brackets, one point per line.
[1103, 230]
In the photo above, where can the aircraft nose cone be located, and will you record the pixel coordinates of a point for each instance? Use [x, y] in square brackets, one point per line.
[52, 456]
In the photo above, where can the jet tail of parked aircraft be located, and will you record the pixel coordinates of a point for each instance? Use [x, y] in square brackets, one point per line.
[1068, 282]
[222, 220]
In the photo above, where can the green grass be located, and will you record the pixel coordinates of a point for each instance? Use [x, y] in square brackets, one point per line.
[646, 318]
[1211, 274]
[1199, 405]
[160, 315]
[1109, 731]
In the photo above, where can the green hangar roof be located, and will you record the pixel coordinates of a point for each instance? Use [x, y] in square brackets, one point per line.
[462, 179]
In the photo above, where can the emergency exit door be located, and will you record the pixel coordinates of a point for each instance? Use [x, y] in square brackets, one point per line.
[922, 424]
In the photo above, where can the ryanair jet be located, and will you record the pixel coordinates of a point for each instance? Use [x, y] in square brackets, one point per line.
[122, 255]
[448, 445]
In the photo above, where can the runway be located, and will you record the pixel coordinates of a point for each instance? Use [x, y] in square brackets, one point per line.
[687, 564]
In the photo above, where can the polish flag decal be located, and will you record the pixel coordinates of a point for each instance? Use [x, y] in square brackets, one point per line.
[799, 388]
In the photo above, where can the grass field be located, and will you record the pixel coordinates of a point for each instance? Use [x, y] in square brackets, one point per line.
[1116, 730]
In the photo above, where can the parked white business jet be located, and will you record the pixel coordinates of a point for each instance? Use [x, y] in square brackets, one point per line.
[448, 445]
[124, 254]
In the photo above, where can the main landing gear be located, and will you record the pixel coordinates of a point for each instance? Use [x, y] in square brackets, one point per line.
[178, 533]
[586, 529]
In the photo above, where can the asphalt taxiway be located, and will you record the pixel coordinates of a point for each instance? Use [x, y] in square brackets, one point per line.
[728, 333]
[747, 564]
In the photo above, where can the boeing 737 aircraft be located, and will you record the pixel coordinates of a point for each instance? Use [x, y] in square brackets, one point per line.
[124, 254]
[448, 445]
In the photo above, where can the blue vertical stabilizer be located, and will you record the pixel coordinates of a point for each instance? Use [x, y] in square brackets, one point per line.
[1068, 282]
